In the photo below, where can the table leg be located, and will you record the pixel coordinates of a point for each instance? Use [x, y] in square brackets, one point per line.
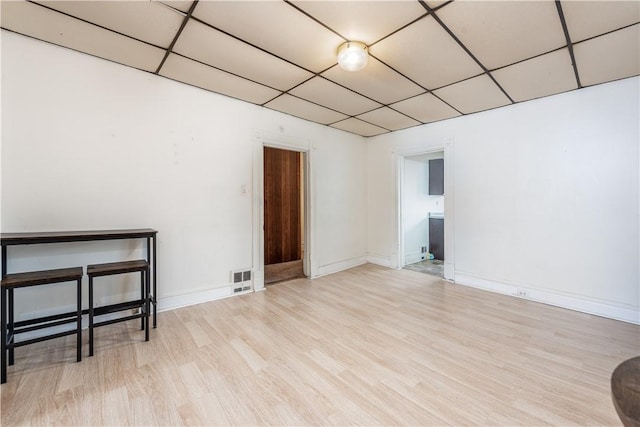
[155, 298]
[4, 319]
[90, 315]
[3, 343]
[79, 323]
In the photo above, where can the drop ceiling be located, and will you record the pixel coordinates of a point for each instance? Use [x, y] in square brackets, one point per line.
[430, 60]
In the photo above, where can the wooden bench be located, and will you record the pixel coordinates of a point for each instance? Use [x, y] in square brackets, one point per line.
[142, 304]
[10, 328]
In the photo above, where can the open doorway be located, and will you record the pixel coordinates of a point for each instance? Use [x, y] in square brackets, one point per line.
[284, 213]
[423, 211]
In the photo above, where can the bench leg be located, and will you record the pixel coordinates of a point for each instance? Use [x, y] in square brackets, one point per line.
[4, 336]
[79, 323]
[143, 295]
[11, 325]
[147, 302]
[90, 315]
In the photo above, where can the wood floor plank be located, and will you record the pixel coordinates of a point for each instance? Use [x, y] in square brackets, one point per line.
[366, 346]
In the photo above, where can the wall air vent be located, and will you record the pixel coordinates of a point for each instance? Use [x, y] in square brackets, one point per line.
[241, 281]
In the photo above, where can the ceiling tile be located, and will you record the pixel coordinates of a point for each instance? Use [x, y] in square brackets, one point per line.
[213, 47]
[365, 21]
[359, 127]
[304, 109]
[186, 70]
[44, 24]
[587, 19]
[322, 91]
[610, 57]
[388, 119]
[376, 80]
[473, 95]
[541, 76]
[147, 21]
[500, 33]
[426, 108]
[437, 63]
[298, 38]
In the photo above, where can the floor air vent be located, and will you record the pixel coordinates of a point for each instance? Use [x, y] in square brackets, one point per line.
[241, 281]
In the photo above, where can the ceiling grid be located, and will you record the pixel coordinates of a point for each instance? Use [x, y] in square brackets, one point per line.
[457, 40]
[175, 38]
[565, 30]
[429, 60]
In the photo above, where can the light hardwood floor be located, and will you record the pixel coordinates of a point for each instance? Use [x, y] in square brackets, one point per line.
[367, 346]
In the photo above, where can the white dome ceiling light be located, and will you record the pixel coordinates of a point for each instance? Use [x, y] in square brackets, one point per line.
[353, 56]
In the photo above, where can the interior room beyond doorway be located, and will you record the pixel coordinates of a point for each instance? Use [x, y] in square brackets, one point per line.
[283, 215]
[423, 213]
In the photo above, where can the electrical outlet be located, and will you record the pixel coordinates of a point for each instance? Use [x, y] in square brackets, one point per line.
[522, 293]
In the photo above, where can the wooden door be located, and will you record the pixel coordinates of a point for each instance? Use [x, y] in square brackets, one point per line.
[282, 216]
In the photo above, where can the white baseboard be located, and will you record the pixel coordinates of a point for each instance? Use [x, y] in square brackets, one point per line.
[570, 302]
[379, 260]
[177, 301]
[342, 265]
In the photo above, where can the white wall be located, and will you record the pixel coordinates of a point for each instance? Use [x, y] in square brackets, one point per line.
[382, 241]
[89, 144]
[546, 197]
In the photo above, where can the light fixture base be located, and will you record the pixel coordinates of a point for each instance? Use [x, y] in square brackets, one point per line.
[353, 56]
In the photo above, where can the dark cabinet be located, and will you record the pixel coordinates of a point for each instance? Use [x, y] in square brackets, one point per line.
[436, 177]
[436, 237]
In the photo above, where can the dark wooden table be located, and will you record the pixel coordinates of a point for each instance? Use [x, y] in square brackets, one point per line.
[48, 237]
[625, 391]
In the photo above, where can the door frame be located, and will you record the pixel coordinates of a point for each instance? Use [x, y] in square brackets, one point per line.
[263, 139]
[399, 155]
